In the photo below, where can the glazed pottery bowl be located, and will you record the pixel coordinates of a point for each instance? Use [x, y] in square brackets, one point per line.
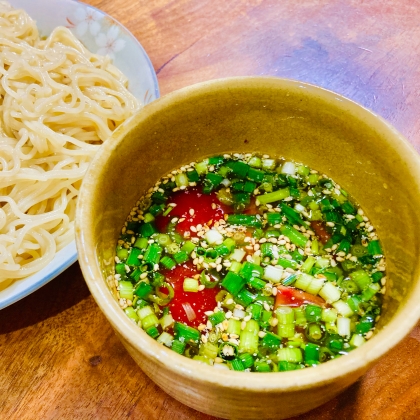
[334, 135]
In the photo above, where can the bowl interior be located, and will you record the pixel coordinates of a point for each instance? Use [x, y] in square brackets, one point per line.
[285, 118]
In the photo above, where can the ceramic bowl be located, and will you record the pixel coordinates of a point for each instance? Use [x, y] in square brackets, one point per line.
[338, 137]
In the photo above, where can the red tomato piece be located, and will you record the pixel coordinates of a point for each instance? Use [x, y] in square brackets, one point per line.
[290, 296]
[200, 302]
[321, 231]
[205, 209]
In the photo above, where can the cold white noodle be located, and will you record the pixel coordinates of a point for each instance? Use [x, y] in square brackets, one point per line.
[58, 103]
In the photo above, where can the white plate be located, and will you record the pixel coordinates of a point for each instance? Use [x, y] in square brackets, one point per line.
[101, 34]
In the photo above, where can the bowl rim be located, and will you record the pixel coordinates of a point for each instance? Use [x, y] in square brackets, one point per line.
[356, 362]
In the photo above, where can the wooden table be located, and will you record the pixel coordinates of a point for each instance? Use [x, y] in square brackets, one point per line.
[59, 358]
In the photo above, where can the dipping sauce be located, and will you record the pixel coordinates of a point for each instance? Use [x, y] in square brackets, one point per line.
[251, 263]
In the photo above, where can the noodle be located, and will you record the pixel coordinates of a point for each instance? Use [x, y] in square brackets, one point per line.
[58, 103]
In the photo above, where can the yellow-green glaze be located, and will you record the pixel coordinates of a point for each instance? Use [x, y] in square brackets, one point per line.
[352, 145]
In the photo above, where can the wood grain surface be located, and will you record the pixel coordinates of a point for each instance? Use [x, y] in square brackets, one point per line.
[59, 358]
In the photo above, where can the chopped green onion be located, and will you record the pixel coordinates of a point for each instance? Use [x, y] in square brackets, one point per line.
[371, 291]
[330, 293]
[217, 317]
[314, 332]
[131, 313]
[300, 317]
[153, 253]
[125, 289]
[303, 281]
[250, 270]
[152, 331]
[245, 297]
[311, 354]
[237, 365]
[193, 176]
[233, 282]
[248, 340]
[209, 279]
[238, 255]
[255, 309]
[292, 215]
[141, 243]
[374, 248]
[209, 350]
[308, 264]
[365, 324]
[292, 355]
[377, 276]
[165, 338]
[255, 162]
[168, 262]
[261, 366]
[294, 235]
[285, 315]
[180, 257]
[246, 359]
[188, 334]
[273, 274]
[211, 181]
[143, 289]
[178, 346]
[190, 285]
[271, 341]
[201, 167]
[313, 313]
[357, 340]
[286, 366]
[163, 239]
[329, 315]
[240, 169]
[343, 326]
[255, 175]
[133, 258]
[244, 220]
[274, 219]
[147, 230]
[234, 326]
[149, 321]
[361, 278]
[167, 321]
[343, 308]
[122, 253]
[274, 196]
